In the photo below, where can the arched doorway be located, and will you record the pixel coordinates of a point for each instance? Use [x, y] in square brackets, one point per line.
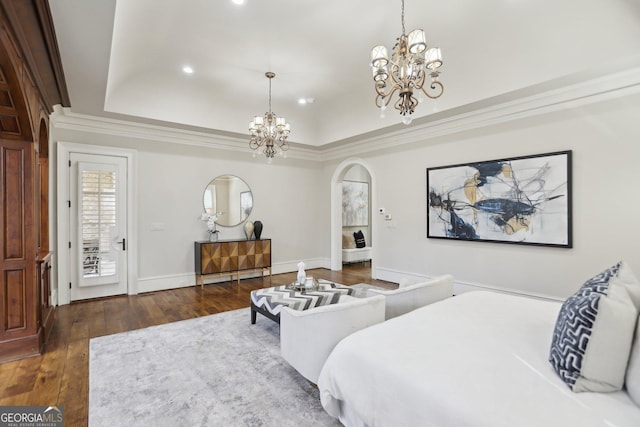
[336, 212]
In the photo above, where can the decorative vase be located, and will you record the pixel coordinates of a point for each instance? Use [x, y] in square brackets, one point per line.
[213, 237]
[248, 229]
[257, 229]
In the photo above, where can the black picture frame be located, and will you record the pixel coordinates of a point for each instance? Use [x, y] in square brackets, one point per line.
[523, 200]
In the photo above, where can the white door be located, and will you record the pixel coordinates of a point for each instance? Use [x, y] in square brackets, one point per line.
[98, 227]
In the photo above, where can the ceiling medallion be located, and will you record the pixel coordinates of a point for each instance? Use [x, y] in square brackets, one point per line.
[410, 63]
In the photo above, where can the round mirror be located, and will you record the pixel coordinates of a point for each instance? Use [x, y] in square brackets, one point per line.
[229, 197]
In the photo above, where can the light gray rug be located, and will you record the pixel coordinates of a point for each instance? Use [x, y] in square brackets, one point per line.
[217, 370]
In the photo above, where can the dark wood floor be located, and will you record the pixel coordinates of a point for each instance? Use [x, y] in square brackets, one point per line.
[61, 375]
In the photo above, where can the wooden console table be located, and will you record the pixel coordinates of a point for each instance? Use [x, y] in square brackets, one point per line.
[232, 257]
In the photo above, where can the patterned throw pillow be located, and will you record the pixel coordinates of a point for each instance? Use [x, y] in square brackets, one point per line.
[359, 236]
[594, 331]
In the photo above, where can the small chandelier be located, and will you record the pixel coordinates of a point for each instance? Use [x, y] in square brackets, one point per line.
[270, 132]
[410, 63]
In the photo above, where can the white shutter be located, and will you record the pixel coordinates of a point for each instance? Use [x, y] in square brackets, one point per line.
[97, 222]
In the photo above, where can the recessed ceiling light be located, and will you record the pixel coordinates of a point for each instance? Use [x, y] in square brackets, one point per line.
[187, 69]
[304, 101]
[237, 1]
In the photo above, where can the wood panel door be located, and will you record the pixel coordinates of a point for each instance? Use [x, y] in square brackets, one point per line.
[17, 246]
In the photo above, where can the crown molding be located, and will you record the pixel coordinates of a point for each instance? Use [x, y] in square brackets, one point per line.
[529, 102]
[560, 94]
[64, 118]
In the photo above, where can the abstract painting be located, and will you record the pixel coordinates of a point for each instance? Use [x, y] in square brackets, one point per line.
[524, 200]
[355, 203]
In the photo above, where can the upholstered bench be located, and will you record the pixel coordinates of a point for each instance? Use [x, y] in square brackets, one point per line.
[356, 254]
[270, 301]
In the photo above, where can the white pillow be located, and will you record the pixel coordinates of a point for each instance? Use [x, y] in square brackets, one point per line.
[594, 331]
[632, 379]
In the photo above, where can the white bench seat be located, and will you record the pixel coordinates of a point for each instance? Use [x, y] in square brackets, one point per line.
[356, 254]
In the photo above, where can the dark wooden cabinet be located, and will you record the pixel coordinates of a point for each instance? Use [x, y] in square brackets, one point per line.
[31, 82]
[232, 257]
[18, 331]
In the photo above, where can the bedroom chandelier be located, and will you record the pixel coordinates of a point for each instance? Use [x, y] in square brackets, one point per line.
[410, 63]
[269, 133]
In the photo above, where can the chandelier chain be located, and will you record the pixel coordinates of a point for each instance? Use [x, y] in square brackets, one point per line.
[403, 29]
[269, 94]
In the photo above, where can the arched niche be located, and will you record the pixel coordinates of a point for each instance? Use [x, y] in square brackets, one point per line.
[336, 212]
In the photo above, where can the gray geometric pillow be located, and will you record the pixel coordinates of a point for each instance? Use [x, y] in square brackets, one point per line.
[594, 331]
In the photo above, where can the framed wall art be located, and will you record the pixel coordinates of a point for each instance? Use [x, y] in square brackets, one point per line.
[246, 204]
[520, 200]
[355, 203]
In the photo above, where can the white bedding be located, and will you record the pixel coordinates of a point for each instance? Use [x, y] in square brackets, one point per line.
[478, 359]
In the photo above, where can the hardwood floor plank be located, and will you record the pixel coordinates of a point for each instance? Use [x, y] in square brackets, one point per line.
[27, 372]
[74, 390]
[60, 376]
[116, 315]
[96, 320]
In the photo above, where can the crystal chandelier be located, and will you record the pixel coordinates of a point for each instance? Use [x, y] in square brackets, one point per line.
[270, 132]
[410, 63]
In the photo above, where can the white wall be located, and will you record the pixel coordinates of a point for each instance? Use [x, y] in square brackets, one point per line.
[292, 199]
[287, 198]
[604, 138]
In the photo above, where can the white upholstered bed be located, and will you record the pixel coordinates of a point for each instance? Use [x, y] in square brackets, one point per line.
[478, 359]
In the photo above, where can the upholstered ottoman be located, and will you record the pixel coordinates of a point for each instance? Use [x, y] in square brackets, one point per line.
[269, 301]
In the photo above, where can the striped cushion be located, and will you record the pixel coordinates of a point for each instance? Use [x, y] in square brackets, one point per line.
[273, 299]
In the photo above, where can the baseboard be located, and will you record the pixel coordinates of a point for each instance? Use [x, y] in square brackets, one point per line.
[289, 266]
[172, 281]
[185, 280]
[459, 287]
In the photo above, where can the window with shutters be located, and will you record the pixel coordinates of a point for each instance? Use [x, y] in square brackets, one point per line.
[98, 220]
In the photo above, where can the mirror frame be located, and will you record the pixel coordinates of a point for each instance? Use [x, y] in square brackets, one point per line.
[242, 190]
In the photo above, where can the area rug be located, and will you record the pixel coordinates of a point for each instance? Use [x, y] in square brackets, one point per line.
[217, 370]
